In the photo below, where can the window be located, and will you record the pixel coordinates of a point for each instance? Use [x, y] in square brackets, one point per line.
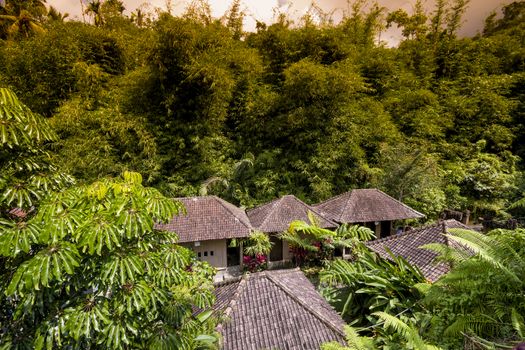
[347, 251]
[205, 253]
[211, 252]
[199, 254]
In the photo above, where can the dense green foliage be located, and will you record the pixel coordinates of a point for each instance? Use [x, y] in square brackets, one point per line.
[371, 284]
[313, 245]
[485, 293]
[479, 303]
[312, 108]
[84, 267]
[378, 298]
[196, 105]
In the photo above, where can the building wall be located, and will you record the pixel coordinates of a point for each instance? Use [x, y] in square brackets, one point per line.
[219, 248]
[214, 251]
[282, 245]
[381, 230]
[286, 251]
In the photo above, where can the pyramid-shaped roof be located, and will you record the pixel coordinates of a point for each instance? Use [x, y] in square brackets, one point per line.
[365, 205]
[208, 218]
[277, 215]
[275, 310]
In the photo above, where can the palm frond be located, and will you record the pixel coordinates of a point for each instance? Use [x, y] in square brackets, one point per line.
[304, 228]
[294, 239]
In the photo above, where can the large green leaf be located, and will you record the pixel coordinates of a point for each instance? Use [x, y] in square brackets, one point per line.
[122, 269]
[16, 237]
[53, 263]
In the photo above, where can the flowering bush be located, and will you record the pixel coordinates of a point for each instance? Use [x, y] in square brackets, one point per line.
[318, 251]
[255, 263]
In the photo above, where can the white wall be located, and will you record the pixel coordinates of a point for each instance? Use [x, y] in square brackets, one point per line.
[207, 248]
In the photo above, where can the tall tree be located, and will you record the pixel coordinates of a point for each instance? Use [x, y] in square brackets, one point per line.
[235, 19]
[413, 26]
[54, 15]
[93, 9]
[23, 24]
[36, 8]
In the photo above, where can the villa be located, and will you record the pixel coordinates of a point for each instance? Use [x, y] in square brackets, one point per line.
[211, 223]
[275, 217]
[208, 227]
[367, 207]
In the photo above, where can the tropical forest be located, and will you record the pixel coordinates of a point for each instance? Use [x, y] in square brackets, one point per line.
[109, 116]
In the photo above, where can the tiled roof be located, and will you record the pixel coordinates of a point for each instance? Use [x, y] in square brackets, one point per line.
[365, 205]
[208, 217]
[407, 245]
[277, 215]
[275, 310]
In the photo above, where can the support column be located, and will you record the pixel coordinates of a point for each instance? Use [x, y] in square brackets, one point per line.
[241, 254]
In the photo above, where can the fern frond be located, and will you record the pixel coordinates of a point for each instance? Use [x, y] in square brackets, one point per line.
[478, 324]
[518, 323]
[360, 233]
[446, 253]
[408, 333]
[486, 248]
[357, 342]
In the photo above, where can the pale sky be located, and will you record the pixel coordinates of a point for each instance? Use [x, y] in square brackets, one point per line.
[263, 10]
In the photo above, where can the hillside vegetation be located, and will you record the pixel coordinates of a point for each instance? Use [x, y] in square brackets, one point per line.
[312, 108]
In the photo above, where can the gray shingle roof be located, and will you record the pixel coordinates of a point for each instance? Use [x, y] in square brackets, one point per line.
[208, 217]
[277, 215]
[365, 205]
[275, 310]
[407, 245]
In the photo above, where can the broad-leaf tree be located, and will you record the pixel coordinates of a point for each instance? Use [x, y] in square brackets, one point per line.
[84, 266]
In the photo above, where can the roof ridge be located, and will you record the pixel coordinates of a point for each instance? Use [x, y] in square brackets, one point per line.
[275, 203]
[448, 221]
[221, 202]
[332, 198]
[318, 213]
[227, 281]
[345, 207]
[262, 205]
[233, 301]
[278, 201]
[306, 306]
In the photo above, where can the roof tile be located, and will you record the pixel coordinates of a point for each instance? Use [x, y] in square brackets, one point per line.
[408, 246]
[365, 205]
[276, 310]
[207, 218]
[276, 216]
